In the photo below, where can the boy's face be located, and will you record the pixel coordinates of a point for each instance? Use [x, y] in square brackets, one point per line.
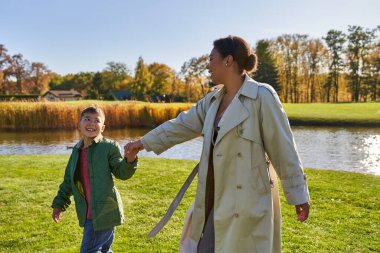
[91, 125]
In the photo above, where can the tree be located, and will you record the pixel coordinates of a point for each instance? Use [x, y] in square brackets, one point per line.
[289, 53]
[281, 49]
[82, 82]
[373, 75]
[55, 81]
[335, 41]
[315, 56]
[97, 88]
[178, 89]
[62, 82]
[359, 42]
[4, 65]
[163, 77]
[298, 50]
[266, 71]
[19, 70]
[195, 74]
[119, 75]
[39, 77]
[143, 80]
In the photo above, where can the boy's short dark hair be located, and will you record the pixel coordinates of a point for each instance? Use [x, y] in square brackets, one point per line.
[93, 109]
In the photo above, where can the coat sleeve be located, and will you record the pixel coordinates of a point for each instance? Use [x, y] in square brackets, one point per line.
[62, 200]
[280, 146]
[186, 126]
[120, 168]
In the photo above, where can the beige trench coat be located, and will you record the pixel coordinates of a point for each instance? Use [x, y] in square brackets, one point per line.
[253, 124]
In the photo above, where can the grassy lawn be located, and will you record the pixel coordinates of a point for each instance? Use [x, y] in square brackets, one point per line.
[343, 114]
[345, 213]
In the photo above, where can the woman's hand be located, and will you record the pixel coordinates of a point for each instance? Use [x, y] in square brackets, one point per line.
[302, 211]
[132, 149]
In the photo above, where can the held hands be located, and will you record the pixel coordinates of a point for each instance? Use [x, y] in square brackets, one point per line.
[132, 149]
[302, 211]
[56, 215]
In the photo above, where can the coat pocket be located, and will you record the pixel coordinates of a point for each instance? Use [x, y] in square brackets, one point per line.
[108, 208]
[260, 180]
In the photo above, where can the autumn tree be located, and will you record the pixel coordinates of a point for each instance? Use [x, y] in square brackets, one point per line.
[282, 56]
[39, 77]
[163, 78]
[315, 58]
[119, 76]
[289, 52]
[359, 44]
[195, 74]
[55, 80]
[82, 82]
[143, 80]
[19, 70]
[4, 65]
[335, 42]
[372, 77]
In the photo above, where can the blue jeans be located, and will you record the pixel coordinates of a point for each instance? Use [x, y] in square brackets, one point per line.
[96, 241]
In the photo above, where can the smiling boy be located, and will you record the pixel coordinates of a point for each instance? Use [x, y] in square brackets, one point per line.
[89, 178]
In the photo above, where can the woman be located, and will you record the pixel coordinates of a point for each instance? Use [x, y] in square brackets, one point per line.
[240, 121]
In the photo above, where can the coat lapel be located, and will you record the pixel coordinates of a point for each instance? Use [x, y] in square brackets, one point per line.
[210, 117]
[234, 115]
[236, 111]
[207, 134]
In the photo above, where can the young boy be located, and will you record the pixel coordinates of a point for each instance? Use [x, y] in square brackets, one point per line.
[88, 177]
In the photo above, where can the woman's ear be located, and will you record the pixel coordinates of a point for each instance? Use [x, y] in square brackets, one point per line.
[228, 60]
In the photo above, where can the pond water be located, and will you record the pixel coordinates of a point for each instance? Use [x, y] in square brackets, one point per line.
[349, 149]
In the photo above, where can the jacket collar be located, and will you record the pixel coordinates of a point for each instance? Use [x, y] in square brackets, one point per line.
[220, 90]
[96, 140]
[249, 89]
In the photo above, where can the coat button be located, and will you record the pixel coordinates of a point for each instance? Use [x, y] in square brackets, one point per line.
[239, 186]
[239, 154]
[236, 215]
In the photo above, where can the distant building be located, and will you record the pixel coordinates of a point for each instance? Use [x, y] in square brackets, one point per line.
[119, 95]
[62, 95]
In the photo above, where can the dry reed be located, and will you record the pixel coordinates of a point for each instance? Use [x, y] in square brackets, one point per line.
[21, 116]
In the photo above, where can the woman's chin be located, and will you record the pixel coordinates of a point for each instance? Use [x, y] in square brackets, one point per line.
[214, 80]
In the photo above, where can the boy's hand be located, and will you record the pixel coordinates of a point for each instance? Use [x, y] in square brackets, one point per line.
[56, 215]
[132, 149]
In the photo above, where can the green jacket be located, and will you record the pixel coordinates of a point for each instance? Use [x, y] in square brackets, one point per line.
[104, 159]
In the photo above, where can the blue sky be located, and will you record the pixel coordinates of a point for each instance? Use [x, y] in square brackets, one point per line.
[83, 35]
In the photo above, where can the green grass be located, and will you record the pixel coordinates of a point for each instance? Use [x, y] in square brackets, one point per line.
[342, 114]
[345, 209]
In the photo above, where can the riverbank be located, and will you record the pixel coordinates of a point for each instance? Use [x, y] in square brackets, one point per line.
[344, 214]
[20, 116]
